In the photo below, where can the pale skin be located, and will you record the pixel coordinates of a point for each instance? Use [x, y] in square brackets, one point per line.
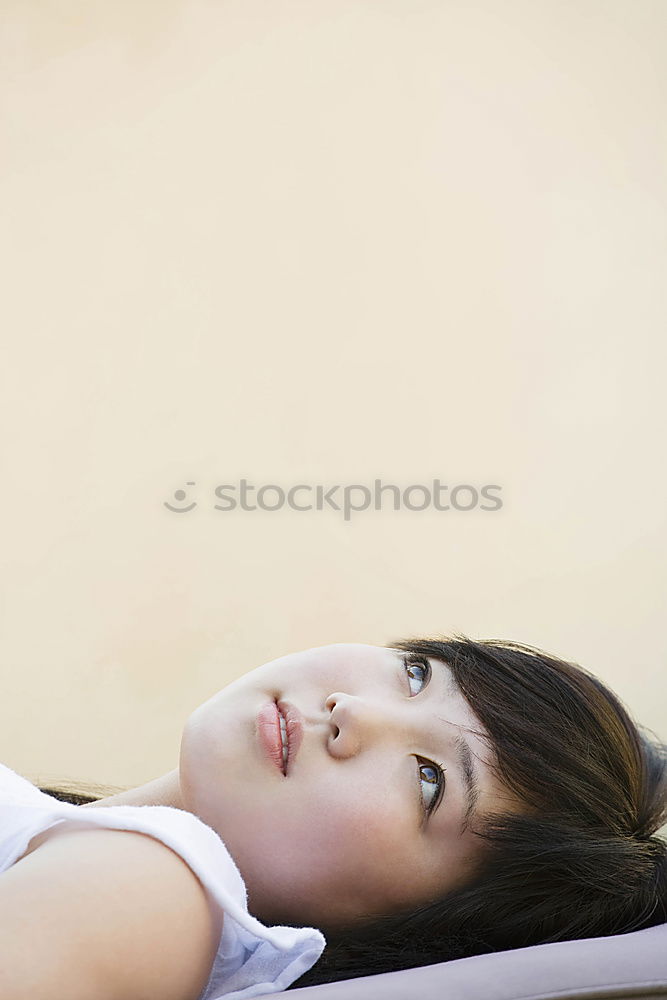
[345, 834]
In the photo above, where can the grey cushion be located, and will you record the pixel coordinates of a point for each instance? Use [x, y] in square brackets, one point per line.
[632, 966]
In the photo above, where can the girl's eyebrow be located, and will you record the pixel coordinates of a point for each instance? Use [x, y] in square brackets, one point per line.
[465, 761]
[464, 757]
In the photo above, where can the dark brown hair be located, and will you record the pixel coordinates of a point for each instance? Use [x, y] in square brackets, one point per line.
[77, 793]
[581, 860]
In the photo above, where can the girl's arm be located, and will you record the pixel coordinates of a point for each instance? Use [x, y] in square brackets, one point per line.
[104, 914]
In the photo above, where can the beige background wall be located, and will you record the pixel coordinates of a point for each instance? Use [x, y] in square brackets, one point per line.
[323, 241]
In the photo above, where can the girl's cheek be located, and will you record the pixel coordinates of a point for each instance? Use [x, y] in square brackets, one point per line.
[357, 816]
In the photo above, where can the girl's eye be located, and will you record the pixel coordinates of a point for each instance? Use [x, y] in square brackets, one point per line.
[431, 776]
[418, 670]
[432, 783]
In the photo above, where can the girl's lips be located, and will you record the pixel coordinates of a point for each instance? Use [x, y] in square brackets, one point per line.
[294, 724]
[268, 731]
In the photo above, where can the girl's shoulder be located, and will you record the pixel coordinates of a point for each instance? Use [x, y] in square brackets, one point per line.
[106, 913]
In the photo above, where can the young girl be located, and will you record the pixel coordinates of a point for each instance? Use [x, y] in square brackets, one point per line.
[404, 805]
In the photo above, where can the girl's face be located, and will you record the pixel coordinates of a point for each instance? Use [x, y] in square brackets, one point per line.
[347, 832]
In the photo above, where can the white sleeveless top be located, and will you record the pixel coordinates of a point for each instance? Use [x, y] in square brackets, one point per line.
[251, 959]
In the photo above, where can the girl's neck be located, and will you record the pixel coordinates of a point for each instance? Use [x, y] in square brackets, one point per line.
[163, 791]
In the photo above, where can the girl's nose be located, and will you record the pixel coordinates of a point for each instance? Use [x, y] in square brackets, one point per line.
[357, 723]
